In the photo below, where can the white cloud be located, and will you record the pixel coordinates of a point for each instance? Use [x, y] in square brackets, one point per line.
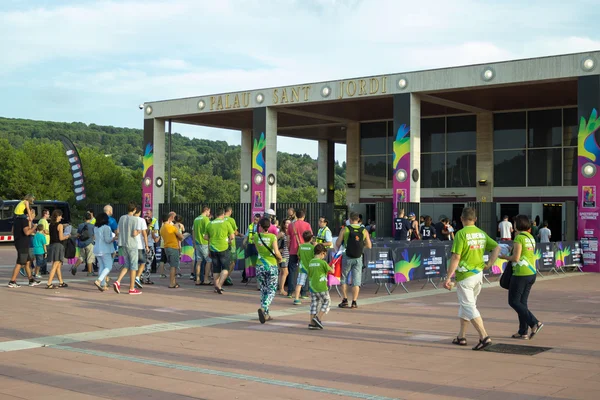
[116, 55]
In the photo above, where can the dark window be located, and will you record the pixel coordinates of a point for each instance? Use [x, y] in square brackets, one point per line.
[570, 127]
[545, 128]
[461, 170]
[509, 168]
[570, 168]
[433, 132]
[462, 133]
[509, 131]
[544, 167]
[373, 138]
[373, 173]
[433, 167]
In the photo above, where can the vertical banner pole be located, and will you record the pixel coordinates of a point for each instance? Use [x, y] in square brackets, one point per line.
[170, 156]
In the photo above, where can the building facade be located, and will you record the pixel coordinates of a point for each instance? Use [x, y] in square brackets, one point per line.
[507, 132]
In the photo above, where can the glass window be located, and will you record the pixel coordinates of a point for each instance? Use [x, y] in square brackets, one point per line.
[570, 127]
[544, 167]
[373, 172]
[433, 167]
[509, 168]
[462, 133]
[545, 128]
[433, 132]
[509, 131]
[461, 170]
[570, 167]
[373, 138]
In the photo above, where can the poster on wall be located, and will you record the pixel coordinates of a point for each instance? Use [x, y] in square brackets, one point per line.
[588, 182]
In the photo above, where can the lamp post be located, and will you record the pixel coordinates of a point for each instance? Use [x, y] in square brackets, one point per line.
[174, 191]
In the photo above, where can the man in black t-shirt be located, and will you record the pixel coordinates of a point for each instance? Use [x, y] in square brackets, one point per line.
[402, 226]
[23, 229]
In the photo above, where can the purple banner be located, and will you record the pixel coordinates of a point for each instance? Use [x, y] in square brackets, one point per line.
[258, 174]
[401, 165]
[148, 162]
[588, 209]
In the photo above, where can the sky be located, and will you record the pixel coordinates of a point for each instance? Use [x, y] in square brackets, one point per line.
[96, 61]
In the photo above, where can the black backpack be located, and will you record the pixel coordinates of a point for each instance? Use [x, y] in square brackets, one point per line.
[70, 248]
[85, 233]
[355, 243]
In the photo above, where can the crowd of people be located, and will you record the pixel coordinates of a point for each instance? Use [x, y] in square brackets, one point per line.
[409, 228]
[289, 259]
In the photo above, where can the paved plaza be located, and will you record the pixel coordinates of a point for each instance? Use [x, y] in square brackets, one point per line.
[190, 343]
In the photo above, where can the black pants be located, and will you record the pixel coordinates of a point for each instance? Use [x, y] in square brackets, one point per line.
[518, 293]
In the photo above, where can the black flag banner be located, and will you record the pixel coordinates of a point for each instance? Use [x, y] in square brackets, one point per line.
[76, 169]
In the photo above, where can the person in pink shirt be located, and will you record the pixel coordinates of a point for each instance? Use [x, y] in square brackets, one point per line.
[294, 234]
[270, 213]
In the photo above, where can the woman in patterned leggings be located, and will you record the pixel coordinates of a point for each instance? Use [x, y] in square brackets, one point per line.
[266, 269]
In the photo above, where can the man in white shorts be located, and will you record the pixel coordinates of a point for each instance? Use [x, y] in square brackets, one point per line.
[468, 248]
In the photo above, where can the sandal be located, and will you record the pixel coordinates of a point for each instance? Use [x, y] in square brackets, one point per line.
[175, 287]
[536, 329]
[51, 287]
[519, 336]
[63, 285]
[461, 341]
[483, 343]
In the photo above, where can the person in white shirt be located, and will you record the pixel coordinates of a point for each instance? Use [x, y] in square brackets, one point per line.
[505, 229]
[545, 234]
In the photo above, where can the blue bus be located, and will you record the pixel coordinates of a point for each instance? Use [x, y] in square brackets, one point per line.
[7, 217]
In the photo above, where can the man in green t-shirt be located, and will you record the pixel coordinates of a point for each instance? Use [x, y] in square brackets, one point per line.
[202, 263]
[236, 233]
[319, 292]
[470, 243]
[218, 234]
[306, 252]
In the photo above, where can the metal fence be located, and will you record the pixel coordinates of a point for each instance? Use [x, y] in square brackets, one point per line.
[313, 212]
[241, 212]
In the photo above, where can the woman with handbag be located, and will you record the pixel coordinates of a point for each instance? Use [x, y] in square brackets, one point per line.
[523, 277]
[266, 268]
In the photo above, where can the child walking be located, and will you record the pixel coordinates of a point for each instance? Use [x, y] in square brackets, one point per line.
[306, 252]
[319, 292]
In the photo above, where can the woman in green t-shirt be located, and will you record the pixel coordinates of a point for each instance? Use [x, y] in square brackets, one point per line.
[266, 269]
[523, 278]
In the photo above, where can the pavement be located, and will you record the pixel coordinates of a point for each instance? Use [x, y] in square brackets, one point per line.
[191, 343]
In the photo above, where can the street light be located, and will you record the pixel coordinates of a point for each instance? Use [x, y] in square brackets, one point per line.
[174, 192]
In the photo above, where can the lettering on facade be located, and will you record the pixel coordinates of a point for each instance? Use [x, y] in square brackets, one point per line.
[229, 101]
[291, 95]
[362, 87]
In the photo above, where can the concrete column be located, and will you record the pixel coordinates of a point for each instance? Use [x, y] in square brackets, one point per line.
[264, 159]
[154, 165]
[485, 156]
[353, 163]
[415, 147]
[246, 166]
[325, 166]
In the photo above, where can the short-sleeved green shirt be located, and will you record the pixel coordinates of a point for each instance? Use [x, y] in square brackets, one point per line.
[306, 252]
[526, 264]
[200, 224]
[317, 275]
[263, 251]
[471, 243]
[234, 226]
[218, 232]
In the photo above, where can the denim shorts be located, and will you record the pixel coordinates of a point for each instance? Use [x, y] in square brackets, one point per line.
[301, 279]
[131, 258]
[202, 253]
[355, 265]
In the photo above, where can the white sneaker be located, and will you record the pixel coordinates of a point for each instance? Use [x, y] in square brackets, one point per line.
[34, 283]
[13, 285]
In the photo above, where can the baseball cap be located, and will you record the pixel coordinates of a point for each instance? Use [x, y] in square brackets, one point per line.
[411, 214]
[270, 211]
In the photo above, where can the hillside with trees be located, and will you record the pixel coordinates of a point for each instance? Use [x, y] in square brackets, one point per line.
[32, 160]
